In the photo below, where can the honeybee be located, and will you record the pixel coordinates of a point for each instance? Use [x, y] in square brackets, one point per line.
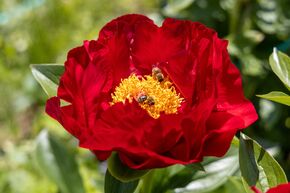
[157, 74]
[144, 99]
[141, 98]
[159, 77]
[156, 70]
[150, 101]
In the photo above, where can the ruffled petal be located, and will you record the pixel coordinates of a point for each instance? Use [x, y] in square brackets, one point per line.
[63, 115]
[120, 126]
[221, 128]
[83, 85]
[123, 24]
[117, 37]
[282, 188]
[232, 111]
[229, 91]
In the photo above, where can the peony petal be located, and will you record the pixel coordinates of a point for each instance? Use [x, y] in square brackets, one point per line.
[230, 94]
[102, 155]
[282, 188]
[53, 108]
[117, 37]
[221, 128]
[63, 115]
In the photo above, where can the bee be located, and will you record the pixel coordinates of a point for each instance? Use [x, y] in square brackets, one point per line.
[150, 101]
[159, 77]
[144, 99]
[156, 70]
[141, 98]
[157, 74]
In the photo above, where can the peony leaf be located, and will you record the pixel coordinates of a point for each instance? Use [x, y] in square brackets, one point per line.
[181, 178]
[51, 71]
[122, 172]
[277, 96]
[280, 64]
[217, 171]
[257, 166]
[196, 166]
[113, 185]
[234, 184]
[58, 164]
[48, 76]
[185, 179]
[246, 186]
[235, 142]
[248, 165]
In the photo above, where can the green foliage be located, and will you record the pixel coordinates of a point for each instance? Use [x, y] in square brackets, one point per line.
[248, 165]
[233, 185]
[280, 64]
[278, 97]
[19, 173]
[257, 166]
[121, 171]
[58, 164]
[48, 76]
[113, 185]
[51, 71]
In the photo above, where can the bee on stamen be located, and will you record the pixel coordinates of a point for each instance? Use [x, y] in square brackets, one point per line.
[157, 74]
[159, 77]
[150, 101]
[141, 98]
[156, 70]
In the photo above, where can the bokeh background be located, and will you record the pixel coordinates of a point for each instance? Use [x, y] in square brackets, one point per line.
[42, 31]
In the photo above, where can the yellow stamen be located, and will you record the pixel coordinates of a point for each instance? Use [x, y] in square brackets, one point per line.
[165, 97]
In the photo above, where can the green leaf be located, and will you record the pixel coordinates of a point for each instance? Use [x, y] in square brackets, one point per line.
[183, 176]
[196, 166]
[277, 96]
[280, 64]
[113, 185]
[58, 164]
[179, 178]
[235, 142]
[234, 184]
[217, 172]
[246, 186]
[248, 165]
[267, 15]
[51, 71]
[121, 171]
[48, 76]
[253, 159]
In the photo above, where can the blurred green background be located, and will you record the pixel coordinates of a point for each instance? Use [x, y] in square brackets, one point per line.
[42, 31]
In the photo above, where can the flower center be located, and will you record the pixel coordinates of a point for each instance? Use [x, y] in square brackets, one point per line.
[154, 93]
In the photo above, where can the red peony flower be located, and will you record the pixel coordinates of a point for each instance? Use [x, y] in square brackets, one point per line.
[282, 188]
[156, 95]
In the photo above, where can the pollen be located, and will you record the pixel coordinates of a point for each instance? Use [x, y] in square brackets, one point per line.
[152, 95]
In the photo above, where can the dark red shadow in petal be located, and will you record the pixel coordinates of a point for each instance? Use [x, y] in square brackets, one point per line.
[221, 128]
